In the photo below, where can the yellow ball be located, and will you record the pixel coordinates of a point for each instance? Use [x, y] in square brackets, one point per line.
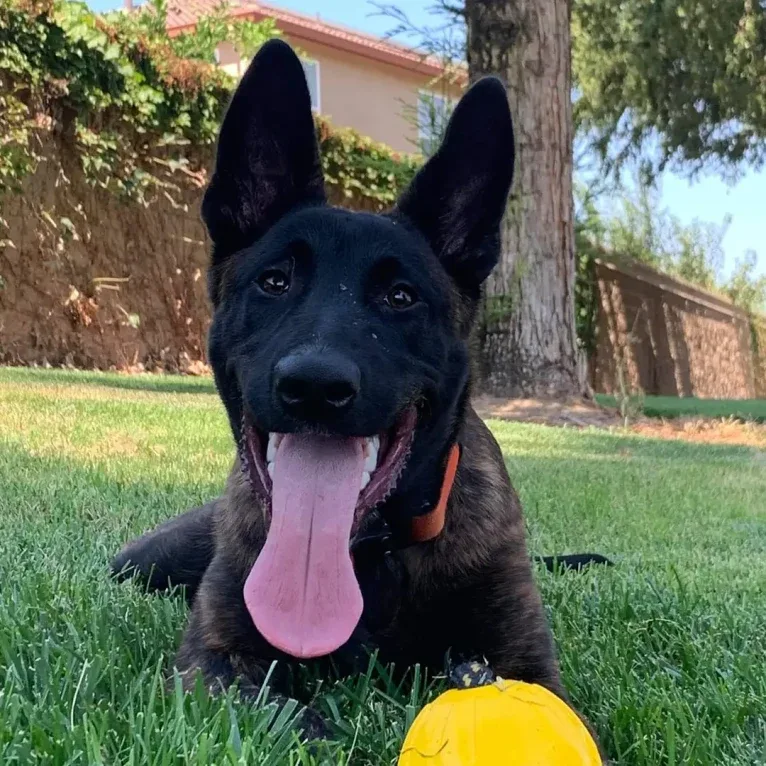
[508, 723]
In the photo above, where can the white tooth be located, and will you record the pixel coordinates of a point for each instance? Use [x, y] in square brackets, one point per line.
[271, 450]
[371, 461]
[270, 469]
[365, 479]
[376, 442]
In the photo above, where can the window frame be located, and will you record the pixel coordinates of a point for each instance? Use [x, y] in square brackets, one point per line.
[317, 69]
[425, 133]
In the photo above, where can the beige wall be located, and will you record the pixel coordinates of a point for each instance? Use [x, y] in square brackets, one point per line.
[228, 59]
[360, 93]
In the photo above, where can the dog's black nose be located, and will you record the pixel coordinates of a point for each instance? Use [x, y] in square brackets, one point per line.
[316, 384]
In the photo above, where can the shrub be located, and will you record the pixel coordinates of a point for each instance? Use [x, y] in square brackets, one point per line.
[137, 111]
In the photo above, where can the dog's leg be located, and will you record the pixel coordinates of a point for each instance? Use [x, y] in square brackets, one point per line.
[219, 671]
[223, 648]
[175, 553]
[519, 644]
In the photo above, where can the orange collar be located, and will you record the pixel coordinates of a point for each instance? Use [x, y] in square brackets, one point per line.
[429, 525]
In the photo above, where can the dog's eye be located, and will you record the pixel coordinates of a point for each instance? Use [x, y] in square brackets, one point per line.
[274, 282]
[401, 297]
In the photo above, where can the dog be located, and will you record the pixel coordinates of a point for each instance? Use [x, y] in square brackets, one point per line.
[370, 508]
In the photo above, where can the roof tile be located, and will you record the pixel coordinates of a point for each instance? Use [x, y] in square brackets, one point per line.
[183, 14]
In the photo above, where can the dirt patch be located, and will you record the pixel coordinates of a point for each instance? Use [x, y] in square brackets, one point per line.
[574, 412]
[704, 430]
[579, 413]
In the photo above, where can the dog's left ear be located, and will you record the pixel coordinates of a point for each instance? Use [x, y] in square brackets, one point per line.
[459, 197]
[268, 159]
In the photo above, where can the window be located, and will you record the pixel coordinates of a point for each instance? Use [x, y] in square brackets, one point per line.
[433, 113]
[311, 69]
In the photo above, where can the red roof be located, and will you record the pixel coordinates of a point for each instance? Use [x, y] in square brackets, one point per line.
[183, 14]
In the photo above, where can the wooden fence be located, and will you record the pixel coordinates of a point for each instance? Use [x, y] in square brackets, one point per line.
[666, 337]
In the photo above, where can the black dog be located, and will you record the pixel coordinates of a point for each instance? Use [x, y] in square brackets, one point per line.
[372, 507]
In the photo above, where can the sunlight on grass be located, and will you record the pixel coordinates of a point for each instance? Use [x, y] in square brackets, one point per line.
[664, 652]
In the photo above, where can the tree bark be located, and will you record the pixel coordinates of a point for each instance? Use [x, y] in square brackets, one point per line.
[528, 338]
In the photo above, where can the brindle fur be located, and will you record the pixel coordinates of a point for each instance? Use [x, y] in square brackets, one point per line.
[470, 591]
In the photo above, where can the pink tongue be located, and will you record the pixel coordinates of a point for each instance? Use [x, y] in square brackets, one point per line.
[302, 593]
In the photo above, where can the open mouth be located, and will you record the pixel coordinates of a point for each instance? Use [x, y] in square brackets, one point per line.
[302, 593]
[385, 456]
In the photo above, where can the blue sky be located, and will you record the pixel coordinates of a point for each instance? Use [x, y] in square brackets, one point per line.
[708, 198]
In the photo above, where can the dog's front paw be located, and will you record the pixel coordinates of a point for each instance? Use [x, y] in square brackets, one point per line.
[313, 725]
[308, 721]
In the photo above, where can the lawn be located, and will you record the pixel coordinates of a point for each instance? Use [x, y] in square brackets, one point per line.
[674, 407]
[664, 652]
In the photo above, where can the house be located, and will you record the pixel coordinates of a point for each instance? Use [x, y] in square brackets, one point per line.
[386, 91]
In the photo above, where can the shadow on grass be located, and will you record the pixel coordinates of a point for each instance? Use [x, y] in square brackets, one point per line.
[159, 383]
[746, 410]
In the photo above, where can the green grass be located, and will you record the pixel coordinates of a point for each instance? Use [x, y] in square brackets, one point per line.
[664, 653]
[674, 407]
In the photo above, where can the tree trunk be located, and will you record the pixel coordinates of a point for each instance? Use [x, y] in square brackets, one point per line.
[528, 339]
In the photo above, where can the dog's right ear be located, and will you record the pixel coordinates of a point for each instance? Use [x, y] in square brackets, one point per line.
[268, 160]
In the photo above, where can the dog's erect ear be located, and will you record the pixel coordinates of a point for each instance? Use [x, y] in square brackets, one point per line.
[459, 197]
[268, 159]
